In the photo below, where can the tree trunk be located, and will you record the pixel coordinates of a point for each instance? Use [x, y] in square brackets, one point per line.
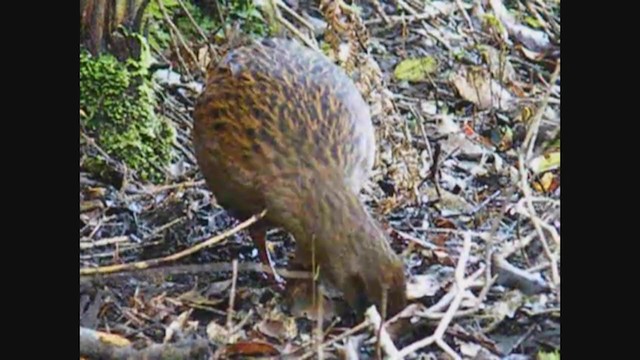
[99, 20]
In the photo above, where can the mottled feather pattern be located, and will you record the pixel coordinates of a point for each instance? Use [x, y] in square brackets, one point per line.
[280, 127]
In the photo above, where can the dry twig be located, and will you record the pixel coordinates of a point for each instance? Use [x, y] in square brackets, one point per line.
[345, 334]
[232, 295]
[217, 267]
[526, 191]
[384, 339]
[178, 34]
[94, 344]
[532, 133]
[155, 262]
[461, 285]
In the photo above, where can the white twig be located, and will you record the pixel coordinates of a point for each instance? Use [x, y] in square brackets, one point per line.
[232, 296]
[460, 286]
[524, 186]
[385, 340]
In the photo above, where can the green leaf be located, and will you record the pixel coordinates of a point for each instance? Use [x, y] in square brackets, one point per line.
[416, 69]
[545, 162]
[549, 356]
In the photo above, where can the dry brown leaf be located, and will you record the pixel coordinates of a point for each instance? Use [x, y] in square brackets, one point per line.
[442, 257]
[444, 223]
[477, 86]
[278, 326]
[530, 54]
[301, 304]
[204, 58]
[177, 325]
[219, 334]
[507, 306]
[87, 206]
[113, 339]
[251, 348]
[449, 201]
[95, 192]
[546, 184]
[194, 297]
[440, 239]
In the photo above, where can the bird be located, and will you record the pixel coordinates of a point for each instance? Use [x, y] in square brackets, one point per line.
[280, 127]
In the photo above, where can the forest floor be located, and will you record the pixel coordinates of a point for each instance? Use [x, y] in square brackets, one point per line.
[466, 103]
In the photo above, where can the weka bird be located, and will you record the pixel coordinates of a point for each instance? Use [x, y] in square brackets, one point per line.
[280, 127]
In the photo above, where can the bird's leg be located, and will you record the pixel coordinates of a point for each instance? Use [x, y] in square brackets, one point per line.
[258, 235]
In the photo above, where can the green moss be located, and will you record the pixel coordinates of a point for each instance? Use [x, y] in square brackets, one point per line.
[119, 102]
[492, 22]
[247, 15]
[241, 12]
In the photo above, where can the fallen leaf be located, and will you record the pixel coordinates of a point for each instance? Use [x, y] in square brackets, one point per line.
[281, 327]
[502, 137]
[167, 77]
[443, 258]
[547, 183]
[217, 288]
[447, 125]
[507, 306]
[535, 40]
[177, 325]
[95, 192]
[435, 8]
[548, 356]
[420, 286]
[301, 304]
[469, 349]
[484, 354]
[469, 300]
[415, 69]
[441, 239]
[477, 86]
[545, 162]
[457, 140]
[251, 348]
[113, 339]
[468, 130]
[86, 206]
[429, 107]
[529, 54]
[218, 334]
[204, 57]
[449, 201]
[194, 297]
[537, 303]
[444, 223]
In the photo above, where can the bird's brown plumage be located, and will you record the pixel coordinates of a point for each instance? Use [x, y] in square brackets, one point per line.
[281, 127]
